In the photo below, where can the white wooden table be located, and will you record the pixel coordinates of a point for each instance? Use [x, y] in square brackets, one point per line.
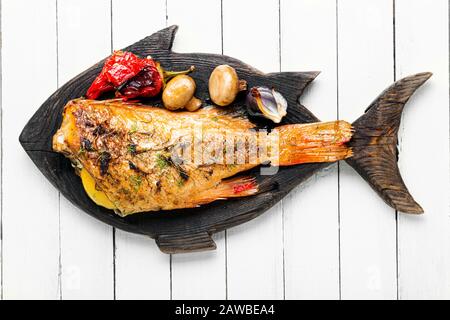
[330, 238]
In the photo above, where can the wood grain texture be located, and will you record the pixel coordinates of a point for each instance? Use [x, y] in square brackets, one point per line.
[366, 54]
[367, 225]
[86, 269]
[30, 203]
[36, 136]
[141, 271]
[1, 174]
[199, 275]
[374, 144]
[311, 246]
[424, 241]
[265, 259]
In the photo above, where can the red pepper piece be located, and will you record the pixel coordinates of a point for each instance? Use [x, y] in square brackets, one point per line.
[99, 86]
[122, 66]
[147, 83]
[118, 69]
[131, 76]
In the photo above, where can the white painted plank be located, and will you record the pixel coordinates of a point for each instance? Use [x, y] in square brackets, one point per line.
[424, 241]
[203, 35]
[30, 203]
[255, 249]
[84, 37]
[142, 271]
[1, 175]
[136, 19]
[368, 230]
[311, 246]
[198, 275]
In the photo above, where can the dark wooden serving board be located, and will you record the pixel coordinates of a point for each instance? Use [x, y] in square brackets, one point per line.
[178, 230]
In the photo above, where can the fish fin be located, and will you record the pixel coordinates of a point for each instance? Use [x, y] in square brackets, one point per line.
[183, 243]
[291, 85]
[230, 188]
[375, 140]
[157, 42]
[314, 142]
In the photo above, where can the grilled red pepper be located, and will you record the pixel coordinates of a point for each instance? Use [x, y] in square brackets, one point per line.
[131, 76]
[147, 83]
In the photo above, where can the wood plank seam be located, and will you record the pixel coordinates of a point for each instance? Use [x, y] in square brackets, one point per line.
[235, 287]
[423, 243]
[171, 257]
[1, 158]
[394, 52]
[338, 164]
[377, 270]
[225, 231]
[113, 229]
[59, 193]
[397, 236]
[281, 202]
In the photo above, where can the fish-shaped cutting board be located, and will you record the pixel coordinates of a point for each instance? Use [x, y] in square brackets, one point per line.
[185, 224]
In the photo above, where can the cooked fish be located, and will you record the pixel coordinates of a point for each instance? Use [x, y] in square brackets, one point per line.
[100, 159]
[148, 158]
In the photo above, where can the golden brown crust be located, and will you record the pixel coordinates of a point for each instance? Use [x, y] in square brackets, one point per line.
[128, 150]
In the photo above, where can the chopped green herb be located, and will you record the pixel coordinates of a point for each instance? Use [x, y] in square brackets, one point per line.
[134, 128]
[131, 148]
[215, 119]
[161, 161]
[81, 151]
[180, 182]
[136, 181]
[124, 191]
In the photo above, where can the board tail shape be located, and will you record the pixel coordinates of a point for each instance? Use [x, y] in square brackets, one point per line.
[374, 144]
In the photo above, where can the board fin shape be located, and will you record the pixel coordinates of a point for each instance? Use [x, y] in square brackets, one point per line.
[374, 144]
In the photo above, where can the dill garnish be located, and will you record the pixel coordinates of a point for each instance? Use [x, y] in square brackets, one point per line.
[131, 148]
[134, 128]
[161, 161]
[81, 151]
[136, 181]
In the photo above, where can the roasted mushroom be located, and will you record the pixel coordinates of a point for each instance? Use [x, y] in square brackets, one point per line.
[178, 92]
[224, 85]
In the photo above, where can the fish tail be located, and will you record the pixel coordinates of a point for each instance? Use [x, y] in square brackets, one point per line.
[374, 144]
[313, 142]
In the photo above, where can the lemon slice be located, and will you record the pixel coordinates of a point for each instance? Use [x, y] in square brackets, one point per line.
[99, 197]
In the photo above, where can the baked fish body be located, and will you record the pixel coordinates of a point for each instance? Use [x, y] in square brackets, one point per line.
[149, 159]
